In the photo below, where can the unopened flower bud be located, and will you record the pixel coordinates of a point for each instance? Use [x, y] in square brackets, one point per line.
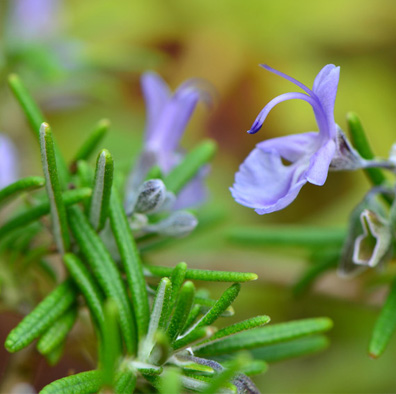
[178, 224]
[151, 196]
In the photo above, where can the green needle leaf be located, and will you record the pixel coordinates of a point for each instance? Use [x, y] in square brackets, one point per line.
[57, 333]
[81, 383]
[360, 142]
[92, 142]
[206, 275]
[20, 186]
[266, 336]
[297, 348]
[58, 211]
[238, 327]
[87, 285]
[288, 236]
[105, 271]
[34, 117]
[385, 325]
[69, 198]
[132, 265]
[101, 191]
[193, 336]
[110, 352]
[55, 355]
[125, 381]
[42, 317]
[170, 382]
[180, 175]
[177, 275]
[159, 317]
[182, 310]
[226, 299]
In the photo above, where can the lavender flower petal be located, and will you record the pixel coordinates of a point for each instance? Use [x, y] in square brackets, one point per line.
[8, 162]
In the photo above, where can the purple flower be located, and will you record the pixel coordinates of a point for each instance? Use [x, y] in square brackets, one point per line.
[8, 162]
[167, 118]
[274, 172]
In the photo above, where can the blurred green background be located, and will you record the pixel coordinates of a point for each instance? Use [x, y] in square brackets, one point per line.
[87, 65]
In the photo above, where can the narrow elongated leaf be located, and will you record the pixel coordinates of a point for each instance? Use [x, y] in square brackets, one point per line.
[132, 265]
[206, 275]
[125, 381]
[23, 219]
[180, 175]
[87, 285]
[177, 277]
[55, 355]
[226, 299]
[20, 186]
[360, 142]
[110, 345]
[182, 310]
[105, 271]
[266, 336]
[35, 118]
[385, 325]
[101, 191]
[254, 367]
[46, 313]
[57, 333]
[58, 211]
[192, 317]
[238, 327]
[170, 382]
[159, 314]
[193, 337]
[81, 383]
[308, 237]
[297, 348]
[91, 143]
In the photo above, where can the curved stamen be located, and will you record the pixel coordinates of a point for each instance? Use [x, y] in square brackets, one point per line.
[292, 80]
[284, 97]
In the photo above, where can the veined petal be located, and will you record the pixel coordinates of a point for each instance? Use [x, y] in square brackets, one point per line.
[283, 97]
[8, 162]
[169, 127]
[319, 164]
[292, 147]
[263, 182]
[325, 88]
[156, 94]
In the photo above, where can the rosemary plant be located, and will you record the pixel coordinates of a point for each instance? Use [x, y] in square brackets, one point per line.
[155, 331]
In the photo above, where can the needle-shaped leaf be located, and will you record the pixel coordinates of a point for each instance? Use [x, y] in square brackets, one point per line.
[177, 277]
[287, 236]
[385, 325]
[34, 117]
[69, 198]
[125, 380]
[132, 265]
[362, 145]
[82, 383]
[206, 275]
[193, 337]
[20, 186]
[182, 310]
[57, 333]
[170, 382]
[87, 285]
[55, 355]
[110, 353]
[248, 324]
[254, 367]
[91, 143]
[180, 175]
[266, 336]
[101, 191]
[158, 318]
[46, 313]
[226, 299]
[192, 317]
[297, 348]
[105, 271]
[52, 183]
